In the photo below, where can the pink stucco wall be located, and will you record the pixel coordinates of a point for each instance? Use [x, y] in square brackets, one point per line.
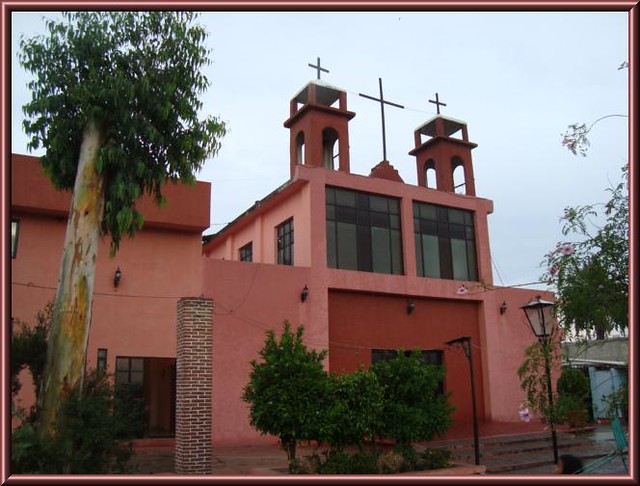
[160, 265]
[499, 340]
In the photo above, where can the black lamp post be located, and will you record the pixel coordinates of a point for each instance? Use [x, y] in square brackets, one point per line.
[540, 316]
[465, 342]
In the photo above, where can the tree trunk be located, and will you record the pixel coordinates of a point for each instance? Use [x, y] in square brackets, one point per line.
[66, 350]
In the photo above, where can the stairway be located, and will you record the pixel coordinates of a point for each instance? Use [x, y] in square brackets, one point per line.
[526, 453]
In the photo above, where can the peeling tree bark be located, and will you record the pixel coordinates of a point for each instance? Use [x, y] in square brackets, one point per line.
[66, 351]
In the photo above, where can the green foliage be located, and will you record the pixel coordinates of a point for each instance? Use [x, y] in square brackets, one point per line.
[403, 458]
[287, 391]
[129, 405]
[29, 348]
[85, 439]
[390, 462]
[534, 379]
[573, 398]
[409, 455]
[591, 273]
[436, 458]
[355, 409]
[618, 403]
[573, 382]
[138, 76]
[413, 409]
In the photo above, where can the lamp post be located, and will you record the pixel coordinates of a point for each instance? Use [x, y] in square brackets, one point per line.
[465, 342]
[540, 317]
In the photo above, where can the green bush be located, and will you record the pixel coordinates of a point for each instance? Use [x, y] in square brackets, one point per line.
[85, 440]
[618, 403]
[390, 462]
[287, 390]
[409, 456]
[436, 458]
[413, 409]
[355, 411]
[572, 404]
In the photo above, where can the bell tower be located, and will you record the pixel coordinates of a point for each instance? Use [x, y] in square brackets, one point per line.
[446, 154]
[319, 127]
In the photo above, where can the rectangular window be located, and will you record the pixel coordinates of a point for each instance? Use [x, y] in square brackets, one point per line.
[102, 360]
[363, 232]
[431, 356]
[15, 230]
[445, 242]
[246, 252]
[284, 234]
[129, 371]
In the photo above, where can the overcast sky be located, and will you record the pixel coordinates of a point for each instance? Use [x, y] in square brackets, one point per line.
[516, 79]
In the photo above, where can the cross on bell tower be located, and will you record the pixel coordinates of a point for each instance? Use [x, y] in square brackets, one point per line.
[318, 68]
[437, 102]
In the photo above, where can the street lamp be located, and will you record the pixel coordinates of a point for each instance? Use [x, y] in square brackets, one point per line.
[540, 316]
[465, 342]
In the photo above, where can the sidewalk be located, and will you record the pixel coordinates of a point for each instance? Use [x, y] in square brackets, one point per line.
[157, 456]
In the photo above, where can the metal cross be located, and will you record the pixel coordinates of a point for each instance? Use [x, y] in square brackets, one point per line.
[318, 68]
[437, 103]
[382, 102]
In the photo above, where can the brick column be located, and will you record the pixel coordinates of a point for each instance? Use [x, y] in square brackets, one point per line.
[194, 386]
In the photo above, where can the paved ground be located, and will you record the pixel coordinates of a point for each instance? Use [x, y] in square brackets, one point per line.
[157, 458]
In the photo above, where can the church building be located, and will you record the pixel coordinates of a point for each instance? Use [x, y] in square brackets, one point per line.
[368, 264]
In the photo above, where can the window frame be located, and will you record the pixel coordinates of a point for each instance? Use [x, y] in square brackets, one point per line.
[285, 243]
[449, 226]
[245, 252]
[363, 230]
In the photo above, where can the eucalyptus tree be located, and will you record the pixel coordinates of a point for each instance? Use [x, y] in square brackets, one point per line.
[115, 105]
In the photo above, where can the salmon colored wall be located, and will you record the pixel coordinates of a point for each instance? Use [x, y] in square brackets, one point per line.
[505, 339]
[259, 227]
[360, 322]
[249, 299]
[187, 207]
[137, 318]
[160, 265]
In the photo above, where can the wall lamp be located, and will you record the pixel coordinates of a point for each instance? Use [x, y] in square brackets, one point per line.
[503, 307]
[116, 277]
[304, 294]
[411, 306]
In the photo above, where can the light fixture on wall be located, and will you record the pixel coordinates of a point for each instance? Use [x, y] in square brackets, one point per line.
[503, 307]
[116, 277]
[304, 294]
[411, 306]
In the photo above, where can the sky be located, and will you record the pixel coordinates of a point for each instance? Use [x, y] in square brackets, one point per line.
[518, 79]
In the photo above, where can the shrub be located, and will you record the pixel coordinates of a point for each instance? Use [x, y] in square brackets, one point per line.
[409, 456]
[356, 402]
[436, 458]
[573, 398]
[390, 462]
[413, 409]
[287, 391]
[85, 439]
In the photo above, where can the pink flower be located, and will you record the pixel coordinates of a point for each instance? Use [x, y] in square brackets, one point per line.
[462, 290]
[566, 249]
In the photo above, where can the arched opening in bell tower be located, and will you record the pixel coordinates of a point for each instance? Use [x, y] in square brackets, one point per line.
[300, 148]
[430, 174]
[459, 181]
[329, 147]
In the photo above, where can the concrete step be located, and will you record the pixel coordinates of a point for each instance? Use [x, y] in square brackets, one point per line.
[509, 454]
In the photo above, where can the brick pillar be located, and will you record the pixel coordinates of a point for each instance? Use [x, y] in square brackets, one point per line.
[194, 386]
